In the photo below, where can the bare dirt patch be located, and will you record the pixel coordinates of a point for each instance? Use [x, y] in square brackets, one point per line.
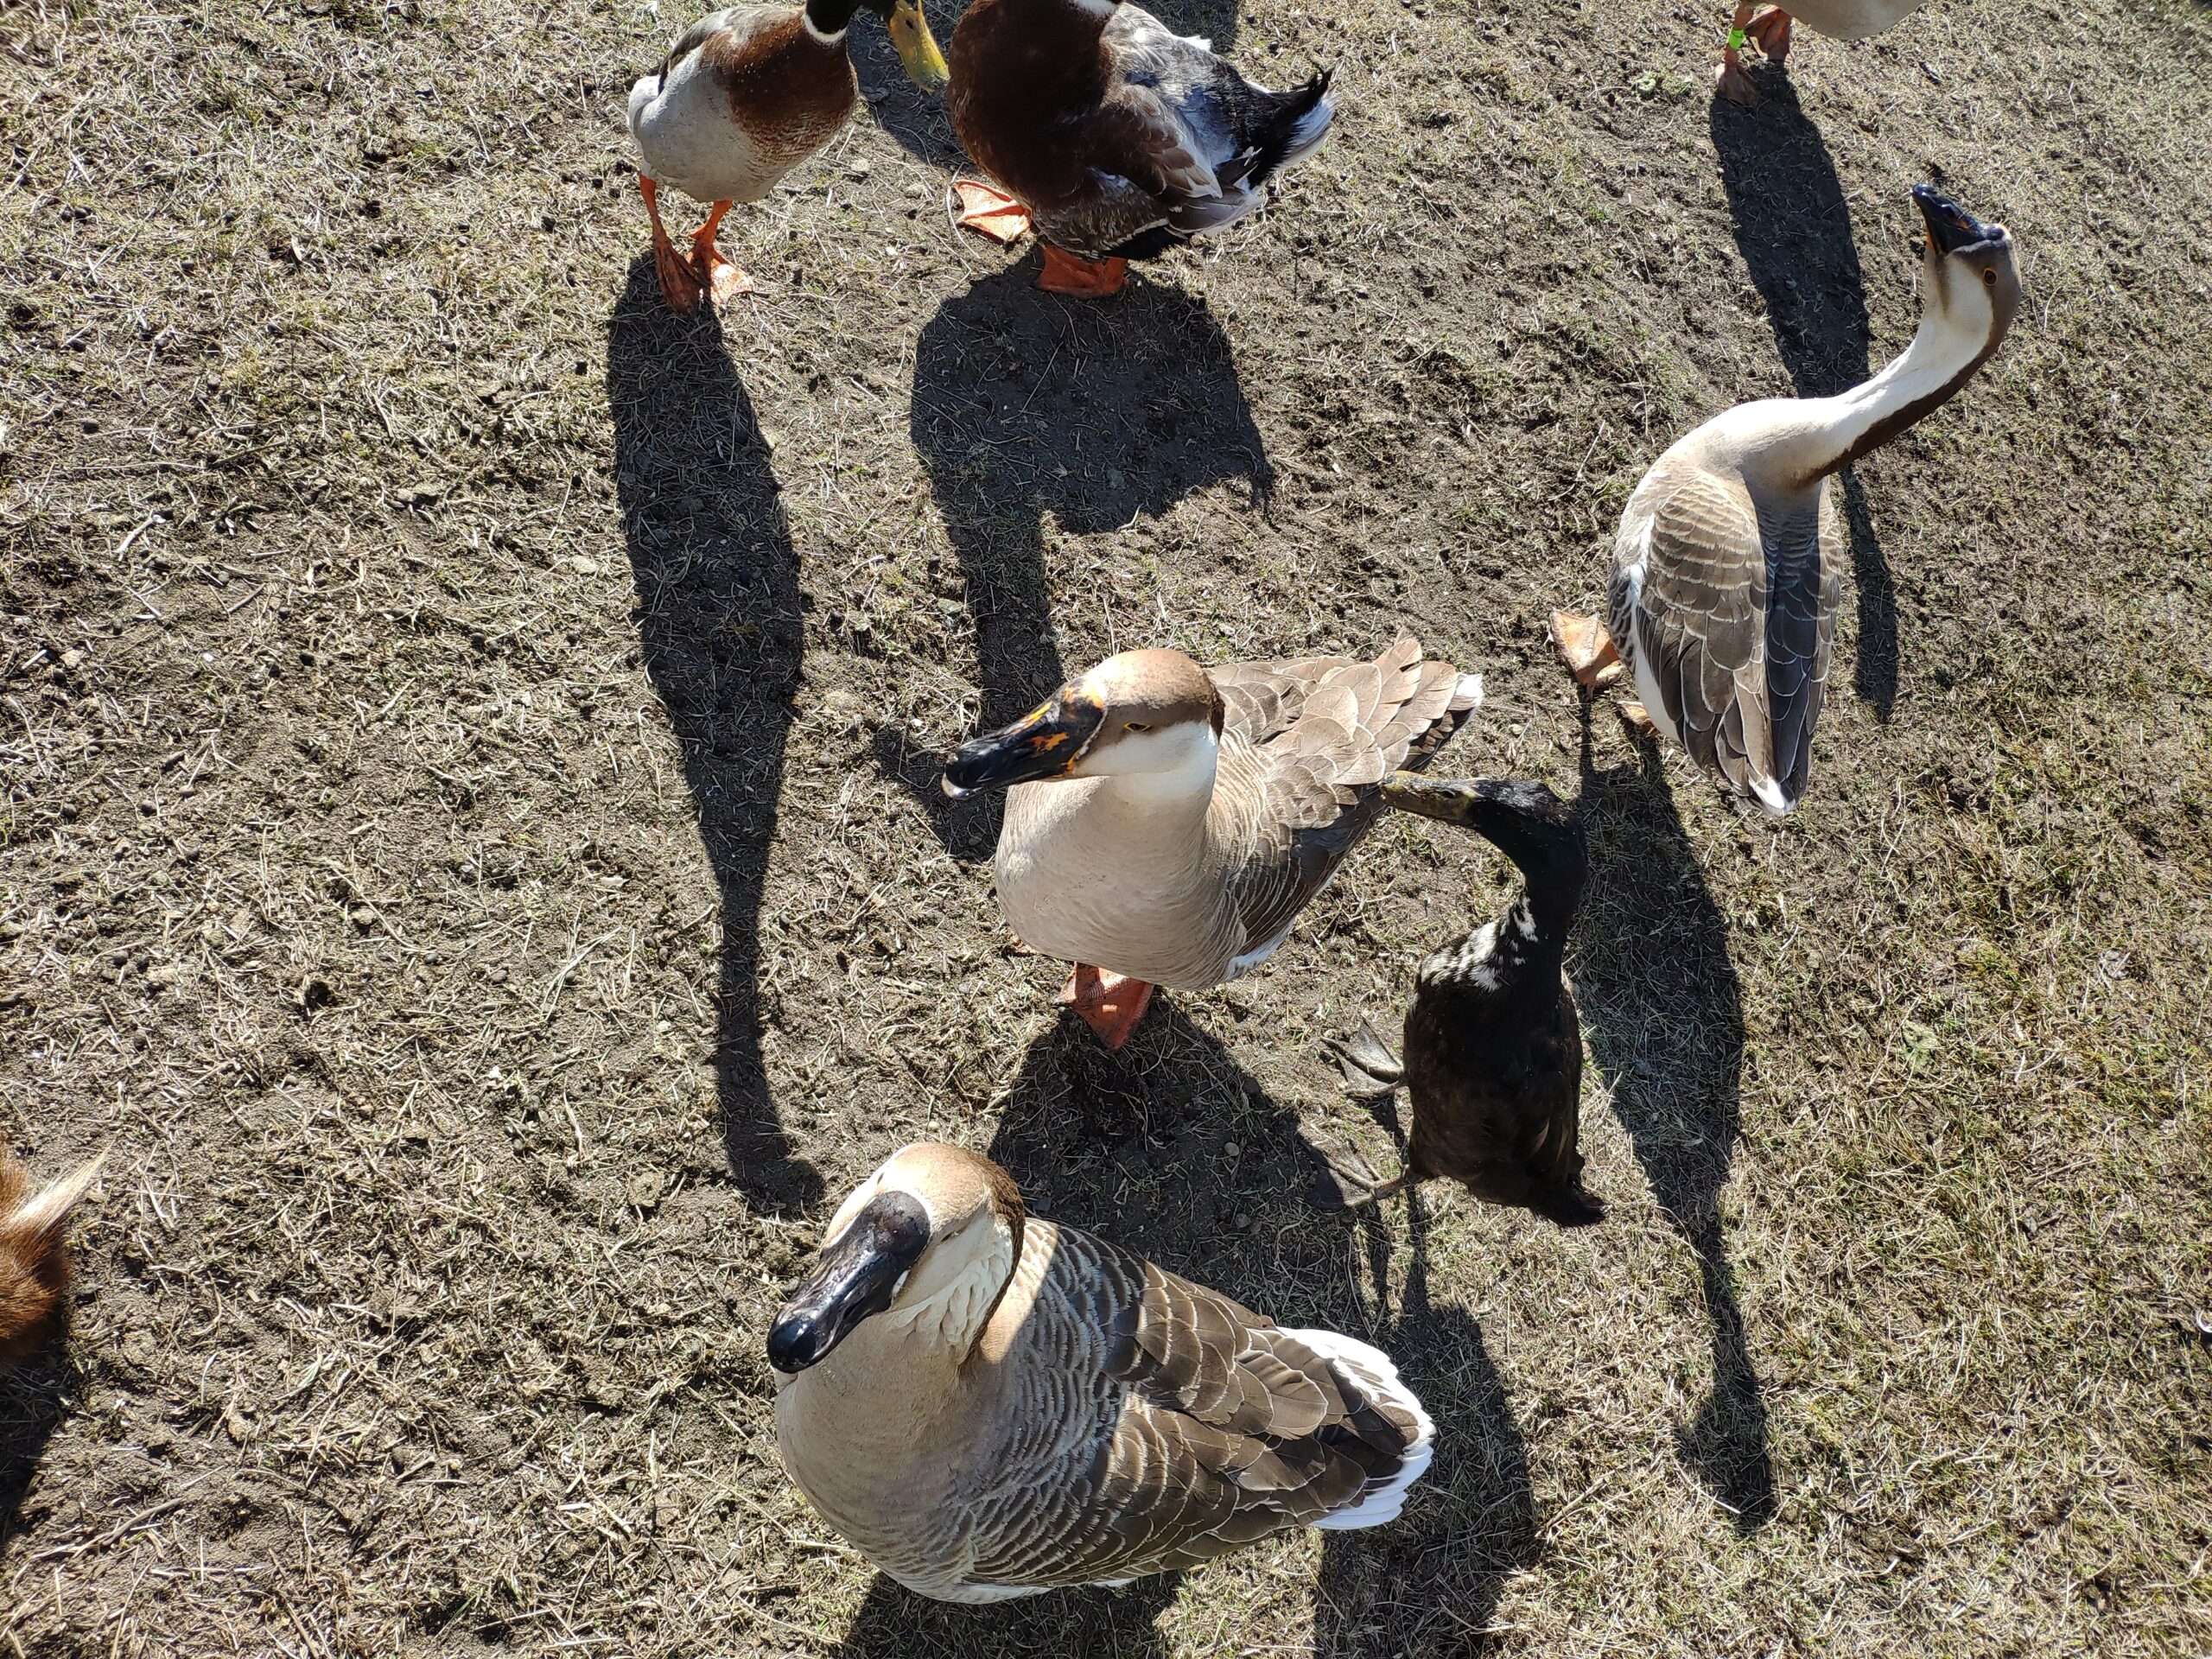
[469, 840]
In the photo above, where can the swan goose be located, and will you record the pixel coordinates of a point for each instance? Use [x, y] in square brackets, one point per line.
[1493, 1048]
[989, 1406]
[34, 1256]
[1165, 823]
[1840, 20]
[744, 96]
[1116, 138]
[1728, 560]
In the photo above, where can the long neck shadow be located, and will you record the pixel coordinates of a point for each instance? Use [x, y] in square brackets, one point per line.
[1663, 1016]
[1429, 1582]
[1025, 403]
[718, 618]
[1793, 228]
[32, 1406]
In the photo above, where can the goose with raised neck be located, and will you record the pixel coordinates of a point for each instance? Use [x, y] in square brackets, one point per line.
[1728, 566]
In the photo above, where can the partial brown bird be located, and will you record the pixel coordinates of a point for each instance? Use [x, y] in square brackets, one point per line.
[34, 1256]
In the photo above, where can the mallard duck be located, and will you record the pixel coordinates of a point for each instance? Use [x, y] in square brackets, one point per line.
[1493, 1049]
[1840, 20]
[34, 1256]
[744, 96]
[1729, 557]
[1118, 137]
[1165, 823]
[988, 1406]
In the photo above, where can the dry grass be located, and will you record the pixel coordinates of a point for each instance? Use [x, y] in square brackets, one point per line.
[467, 836]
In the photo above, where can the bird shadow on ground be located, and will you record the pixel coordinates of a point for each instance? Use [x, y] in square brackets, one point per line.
[1430, 1581]
[718, 619]
[1663, 1013]
[1793, 228]
[1101, 415]
[33, 1403]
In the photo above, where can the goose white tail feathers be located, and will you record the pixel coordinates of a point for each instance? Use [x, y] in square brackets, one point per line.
[1372, 1369]
[1771, 794]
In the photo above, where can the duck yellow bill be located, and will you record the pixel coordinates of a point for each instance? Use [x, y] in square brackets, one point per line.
[917, 47]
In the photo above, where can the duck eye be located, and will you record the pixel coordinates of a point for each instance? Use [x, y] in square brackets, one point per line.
[1135, 726]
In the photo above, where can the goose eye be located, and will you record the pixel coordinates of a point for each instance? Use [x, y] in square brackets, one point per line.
[1988, 277]
[1135, 726]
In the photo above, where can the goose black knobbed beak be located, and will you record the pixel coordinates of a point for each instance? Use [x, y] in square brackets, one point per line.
[1043, 743]
[1950, 227]
[857, 1273]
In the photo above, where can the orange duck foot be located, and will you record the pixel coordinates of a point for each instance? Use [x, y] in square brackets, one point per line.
[989, 211]
[1585, 647]
[1110, 1004]
[1086, 279]
[721, 278]
[1771, 30]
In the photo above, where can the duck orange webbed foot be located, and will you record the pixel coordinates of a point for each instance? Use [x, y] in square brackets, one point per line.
[1110, 1004]
[1586, 648]
[721, 278]
[679, 280]
[1085, 279]
[989, 211]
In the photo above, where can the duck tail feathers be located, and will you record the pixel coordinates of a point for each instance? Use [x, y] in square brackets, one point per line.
[1290, 132]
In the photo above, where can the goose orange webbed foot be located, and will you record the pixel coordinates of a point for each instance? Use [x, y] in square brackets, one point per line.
[1730, 81]
[1770, 29]
[1084, 279]
[1586, 648]
[1111, 1004]
[989, 211]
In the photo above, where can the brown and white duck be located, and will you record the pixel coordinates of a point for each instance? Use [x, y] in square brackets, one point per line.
[1493, 1046]
[744, 96]
[989, 1406]
[1840, 20]
[1728, 563]
[1165, 823]
[1115, 137]
[35, 1256]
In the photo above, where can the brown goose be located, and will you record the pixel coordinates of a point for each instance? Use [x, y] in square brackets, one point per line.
[34, 1256]
[1729, 558]
[1493, 1051]
[989, 1406]
[1164, 824]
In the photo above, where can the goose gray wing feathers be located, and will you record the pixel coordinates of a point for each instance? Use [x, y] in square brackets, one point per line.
[1734, 624]
[1164, 1425]
[1305, 744]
